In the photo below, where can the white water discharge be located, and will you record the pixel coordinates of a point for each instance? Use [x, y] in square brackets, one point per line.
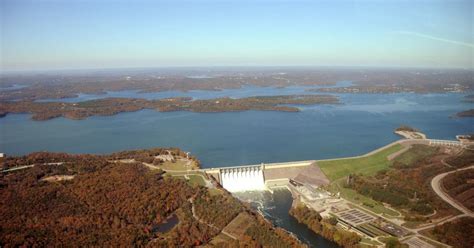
[243, 178]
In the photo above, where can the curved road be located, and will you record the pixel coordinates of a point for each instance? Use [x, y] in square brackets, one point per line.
[436, 185]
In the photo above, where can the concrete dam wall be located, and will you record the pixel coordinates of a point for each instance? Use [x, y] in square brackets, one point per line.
[242, 178]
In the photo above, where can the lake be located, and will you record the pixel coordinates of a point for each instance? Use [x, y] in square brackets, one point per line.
[362, 122]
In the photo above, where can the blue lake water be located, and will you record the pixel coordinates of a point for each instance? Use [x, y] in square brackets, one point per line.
[362, 123]
[12, 87]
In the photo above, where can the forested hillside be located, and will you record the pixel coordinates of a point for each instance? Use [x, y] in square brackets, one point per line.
[92, 200]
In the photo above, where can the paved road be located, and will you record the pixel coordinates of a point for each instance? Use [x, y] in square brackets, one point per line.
[29, 166]
[437, 223]
[19, 168]
[436, 185]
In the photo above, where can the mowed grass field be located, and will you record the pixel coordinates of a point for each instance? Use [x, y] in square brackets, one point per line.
[336, 169]
[177, 165]
[196, 180]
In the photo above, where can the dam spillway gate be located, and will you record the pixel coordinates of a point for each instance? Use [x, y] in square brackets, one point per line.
[243, 178]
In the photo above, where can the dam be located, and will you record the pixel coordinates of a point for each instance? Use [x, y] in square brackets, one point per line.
[243, 178]
[265, 176]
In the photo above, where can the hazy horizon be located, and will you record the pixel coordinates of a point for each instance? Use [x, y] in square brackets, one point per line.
[218, 68]
[64, 35]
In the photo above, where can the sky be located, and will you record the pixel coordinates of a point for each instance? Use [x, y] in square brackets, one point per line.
[78, 34]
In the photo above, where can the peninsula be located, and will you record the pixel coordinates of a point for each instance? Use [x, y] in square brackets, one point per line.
[467, 113]
[112, 106]
[409, 132]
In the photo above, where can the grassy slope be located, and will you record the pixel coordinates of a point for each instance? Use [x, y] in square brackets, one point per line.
[336, 169]
[416, 153]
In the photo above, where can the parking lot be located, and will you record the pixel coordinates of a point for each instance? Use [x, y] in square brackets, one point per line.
[355, 217]
[417, 243]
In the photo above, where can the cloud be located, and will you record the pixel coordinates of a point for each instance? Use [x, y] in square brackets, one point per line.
[425, 36]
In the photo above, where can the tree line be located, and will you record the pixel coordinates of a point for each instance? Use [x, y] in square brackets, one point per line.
[324, 227]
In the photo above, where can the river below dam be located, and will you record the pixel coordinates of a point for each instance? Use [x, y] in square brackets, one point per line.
[275, 206]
